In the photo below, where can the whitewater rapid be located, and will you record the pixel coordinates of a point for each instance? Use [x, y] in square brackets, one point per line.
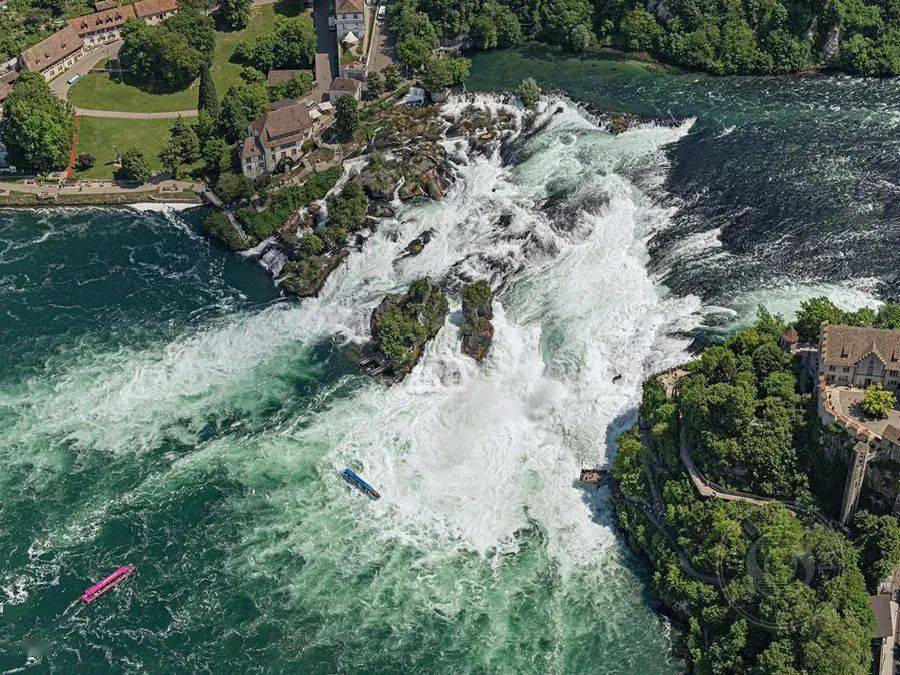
[219, 447]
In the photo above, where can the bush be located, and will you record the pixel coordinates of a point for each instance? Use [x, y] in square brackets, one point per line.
[347, 210]
[261, 224]
[529, 92]
[134, 166]
[312, 245]
[232, 187]
[640, 30]
[877, 402]
[84, 162]
[217, 225]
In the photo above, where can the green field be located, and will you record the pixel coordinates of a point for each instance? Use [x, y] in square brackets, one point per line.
[99, 92]
[99, 136]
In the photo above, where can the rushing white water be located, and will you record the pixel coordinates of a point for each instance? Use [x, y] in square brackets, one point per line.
[468, 456]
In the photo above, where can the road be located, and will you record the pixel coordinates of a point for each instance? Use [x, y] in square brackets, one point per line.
[60, 85]
[380, 54]
[326, 48]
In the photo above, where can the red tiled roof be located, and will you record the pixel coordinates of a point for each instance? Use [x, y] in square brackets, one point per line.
[145, 8]
[349, 6]
[283, 123]
[55, 48]
[108, 18]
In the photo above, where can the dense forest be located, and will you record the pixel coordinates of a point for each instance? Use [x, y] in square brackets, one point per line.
[723, 37]
[760, 589]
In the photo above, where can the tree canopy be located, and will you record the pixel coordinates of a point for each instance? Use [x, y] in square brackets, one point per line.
[290, 45]
[37, 128]
[762, 37]
[168, 56]
[798, 584]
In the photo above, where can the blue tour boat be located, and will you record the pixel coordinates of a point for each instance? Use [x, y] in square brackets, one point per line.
[356, 481]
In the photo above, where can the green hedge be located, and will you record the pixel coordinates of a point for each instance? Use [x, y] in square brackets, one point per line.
[261, 224]
[217, 225]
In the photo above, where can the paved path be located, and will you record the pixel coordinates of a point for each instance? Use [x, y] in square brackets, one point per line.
[380, 53]
[99, 187]
[118, 114]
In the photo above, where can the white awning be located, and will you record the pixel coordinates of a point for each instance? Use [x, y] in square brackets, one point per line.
[351, 39]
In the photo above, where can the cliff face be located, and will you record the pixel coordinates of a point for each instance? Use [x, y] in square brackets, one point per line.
[881, 488]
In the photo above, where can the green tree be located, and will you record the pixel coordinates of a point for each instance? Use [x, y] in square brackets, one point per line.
[134, 166]
[37, 126]
[414, 52]
[312, 244]
[375, 83]
[567, 22]
[232, 187]
[392, 77]
[346, 115]
[198, 30]
[347, 209]
[295, 87]
[207, 99]
[185, 141]
[879, 545]
[877, 401]
[529, 92]
[241, 105]
[235, 13]
[170, 158]
[888, 316]
[812, 313]
[640, 30]
[159, 59]
[216, 156]
[442, 73]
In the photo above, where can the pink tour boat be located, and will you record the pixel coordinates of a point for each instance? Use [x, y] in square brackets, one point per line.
[107, 583]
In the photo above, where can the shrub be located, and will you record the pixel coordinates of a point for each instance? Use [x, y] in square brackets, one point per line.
[312, 245]
[84, 162]
[134, 166]
[261, 224]
[529, 92]
[217, 225]
[348, 209]
[877, 402]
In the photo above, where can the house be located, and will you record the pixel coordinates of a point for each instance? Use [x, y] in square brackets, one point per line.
[885, 609]
[276, 77]
[52, 56]
[99, 28]
[154, 11]
[351, 16]
[4, 91]
[276, 139]
[858, 356]
[100, 5]
[344, 86]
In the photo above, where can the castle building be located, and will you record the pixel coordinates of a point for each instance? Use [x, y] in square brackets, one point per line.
[857, 356]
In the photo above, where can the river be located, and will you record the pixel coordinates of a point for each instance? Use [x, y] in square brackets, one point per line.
[160, 404]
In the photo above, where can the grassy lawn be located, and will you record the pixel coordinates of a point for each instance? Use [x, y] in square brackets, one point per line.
[98, 136]
[98, 92]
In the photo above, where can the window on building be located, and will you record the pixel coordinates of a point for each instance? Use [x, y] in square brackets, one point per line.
[831, 368]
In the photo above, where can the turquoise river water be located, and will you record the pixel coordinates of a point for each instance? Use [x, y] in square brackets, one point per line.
[162, 404]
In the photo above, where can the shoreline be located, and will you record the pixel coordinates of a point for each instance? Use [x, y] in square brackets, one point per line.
[33, 201]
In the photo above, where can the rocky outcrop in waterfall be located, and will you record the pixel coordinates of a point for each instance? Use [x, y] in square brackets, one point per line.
[403, 323]
[477, 331]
